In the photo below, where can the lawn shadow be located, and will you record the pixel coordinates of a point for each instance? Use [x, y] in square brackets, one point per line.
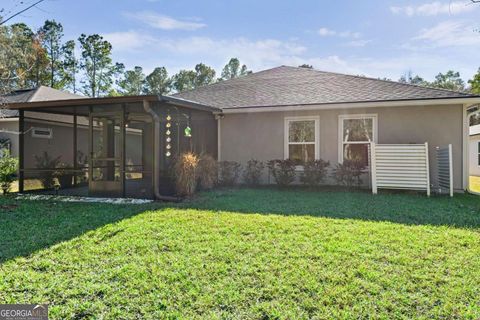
[27, 226]
[462, 211]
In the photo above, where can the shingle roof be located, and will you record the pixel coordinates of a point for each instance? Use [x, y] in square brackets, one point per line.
[300, 86]
[41, 93]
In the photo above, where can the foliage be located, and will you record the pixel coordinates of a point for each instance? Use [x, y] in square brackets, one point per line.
[8, 171]
[96, 62]
[184, 80]
[133, 82]
[158, 82]
[349, 173]
[207, 171]
[413, 79]
[203, 75]
[48, 165]
[233, 69]
[50, 35]
[69, 66]
[186, 174]
[229, 171]
[283, 171]
[306, 66]
[314, 172]
[253, 172]
[297, 255]
[450, 80]
[475, 83]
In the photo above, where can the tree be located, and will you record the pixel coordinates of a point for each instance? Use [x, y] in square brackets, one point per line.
[233, 70]
[450, 80]
[306, 66]
[158, 82]
[184, 80]
[413, 79]
[51, 34]
[69, 68]
[475, 83]
[96, 63]
[204, 75]
[133, 82]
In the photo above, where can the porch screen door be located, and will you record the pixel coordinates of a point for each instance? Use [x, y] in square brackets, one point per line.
[106, 165]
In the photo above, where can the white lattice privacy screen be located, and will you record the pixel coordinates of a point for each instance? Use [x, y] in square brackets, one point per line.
[445, 169]
[400, 166]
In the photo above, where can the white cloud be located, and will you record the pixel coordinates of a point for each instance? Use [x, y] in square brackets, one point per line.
[325, 32]
[128, 40]
[164, 22]
[449, 34]
[435, 8]
[358, 43]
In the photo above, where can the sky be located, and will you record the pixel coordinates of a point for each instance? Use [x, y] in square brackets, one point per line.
[373, 38]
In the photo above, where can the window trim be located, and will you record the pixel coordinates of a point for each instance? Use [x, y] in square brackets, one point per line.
[343, 117]
[478, 153]
[286, 143]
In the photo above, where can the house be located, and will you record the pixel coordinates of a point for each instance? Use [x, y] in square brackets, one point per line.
[9, 118]
[284, 112]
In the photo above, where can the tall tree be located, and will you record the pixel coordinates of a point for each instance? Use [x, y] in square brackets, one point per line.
[475, 83]
[133, 82]
[203, 75]
[184, 80]
[69, 66]
[233, 69]
[413, 79]
[96, 63]
[450, 80]
[306, 66]
[158, 82]
[51, 34]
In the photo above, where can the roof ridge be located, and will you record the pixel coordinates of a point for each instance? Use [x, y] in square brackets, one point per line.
[381, 80]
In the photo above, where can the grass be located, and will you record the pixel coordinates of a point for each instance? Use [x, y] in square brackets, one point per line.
[246, 254]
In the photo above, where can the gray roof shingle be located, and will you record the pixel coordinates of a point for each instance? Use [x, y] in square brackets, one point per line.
[40, 93]
[301, 86]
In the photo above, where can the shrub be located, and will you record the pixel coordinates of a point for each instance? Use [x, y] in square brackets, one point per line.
[314, 172]
[64, 175]
[8, 171]
[253, 172]
[283, 171]
[207, 171]
[48, 166]
[185, 169]
[229, 172]
[349, 173]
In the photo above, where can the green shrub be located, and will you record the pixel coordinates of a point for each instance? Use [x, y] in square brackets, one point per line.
[283, 171]
[253, 172]
[314, 172]
[349, 173]
[8, 171]
[229, 171]
[207, 172]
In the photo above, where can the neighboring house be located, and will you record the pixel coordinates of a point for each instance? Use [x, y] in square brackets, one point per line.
[474, 141]
[9, 131]
[280, 113]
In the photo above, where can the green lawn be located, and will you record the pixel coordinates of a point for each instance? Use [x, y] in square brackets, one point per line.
[246, 254]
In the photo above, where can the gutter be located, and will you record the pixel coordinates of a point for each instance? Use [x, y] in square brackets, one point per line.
[156, 153]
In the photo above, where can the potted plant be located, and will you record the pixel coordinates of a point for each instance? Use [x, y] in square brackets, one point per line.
[64, 175]
[47, 172]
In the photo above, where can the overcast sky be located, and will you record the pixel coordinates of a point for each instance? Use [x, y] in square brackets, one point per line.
[373, 38]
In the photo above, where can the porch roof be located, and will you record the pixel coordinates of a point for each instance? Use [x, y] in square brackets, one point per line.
[79, 102]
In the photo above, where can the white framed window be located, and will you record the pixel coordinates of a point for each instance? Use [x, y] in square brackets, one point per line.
[45, 133]
[355, 133]
[302, 139]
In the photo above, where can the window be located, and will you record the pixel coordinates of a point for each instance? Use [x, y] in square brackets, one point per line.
[478, 153]
[301, 139]
[45, 133]
[356, 133]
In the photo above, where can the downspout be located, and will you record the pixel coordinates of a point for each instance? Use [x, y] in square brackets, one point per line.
[156, 153]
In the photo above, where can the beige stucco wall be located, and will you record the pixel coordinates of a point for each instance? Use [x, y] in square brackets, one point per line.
[10, 128]
[260, 135]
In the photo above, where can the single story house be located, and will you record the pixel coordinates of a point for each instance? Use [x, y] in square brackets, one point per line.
[284, 112]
